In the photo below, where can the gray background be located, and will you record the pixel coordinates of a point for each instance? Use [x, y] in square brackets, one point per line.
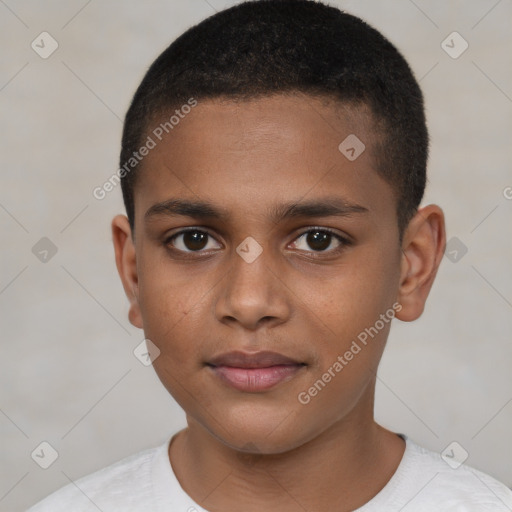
[68, 375]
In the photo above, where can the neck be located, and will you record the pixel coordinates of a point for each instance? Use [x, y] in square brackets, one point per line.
[341, 469]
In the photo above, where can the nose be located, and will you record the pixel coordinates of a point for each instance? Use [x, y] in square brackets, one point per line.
[253, 294]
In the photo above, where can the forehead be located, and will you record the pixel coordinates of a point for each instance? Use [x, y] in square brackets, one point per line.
[246, 124]
[253, 154]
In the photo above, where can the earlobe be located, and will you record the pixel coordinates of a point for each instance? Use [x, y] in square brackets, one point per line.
[126, 263]
[422, 251]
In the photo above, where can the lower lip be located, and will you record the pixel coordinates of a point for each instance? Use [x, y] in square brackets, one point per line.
[256, 379]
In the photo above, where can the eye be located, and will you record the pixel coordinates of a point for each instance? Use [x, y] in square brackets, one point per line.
[320, 239]
[190, 240]
[194, 240]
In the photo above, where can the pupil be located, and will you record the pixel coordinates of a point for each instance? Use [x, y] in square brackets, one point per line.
[194, 240]
[318, 240]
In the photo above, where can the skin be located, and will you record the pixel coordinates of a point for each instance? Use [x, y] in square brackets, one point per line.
[266, 450]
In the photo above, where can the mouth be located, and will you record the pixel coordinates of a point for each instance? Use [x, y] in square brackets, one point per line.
[254, 372]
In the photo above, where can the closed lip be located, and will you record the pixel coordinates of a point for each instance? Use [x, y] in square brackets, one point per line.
[262, 359]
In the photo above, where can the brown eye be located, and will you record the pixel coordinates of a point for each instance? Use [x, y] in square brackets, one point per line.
[190, 240]
[319, 240]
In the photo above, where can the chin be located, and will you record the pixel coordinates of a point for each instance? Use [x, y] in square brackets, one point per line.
[253, 429]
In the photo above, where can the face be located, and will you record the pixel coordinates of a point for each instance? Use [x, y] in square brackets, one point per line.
[266, 267]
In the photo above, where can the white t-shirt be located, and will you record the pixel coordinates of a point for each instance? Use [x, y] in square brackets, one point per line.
[423, 482]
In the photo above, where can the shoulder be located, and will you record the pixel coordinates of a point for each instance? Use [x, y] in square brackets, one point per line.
[125, 484]
[441, 482]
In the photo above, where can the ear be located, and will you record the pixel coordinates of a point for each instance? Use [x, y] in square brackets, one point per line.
[423, 247]
[127, 265]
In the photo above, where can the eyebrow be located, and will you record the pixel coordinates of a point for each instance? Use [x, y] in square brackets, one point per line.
[322, 207]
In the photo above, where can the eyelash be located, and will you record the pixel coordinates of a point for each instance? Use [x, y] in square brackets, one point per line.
[344, 242]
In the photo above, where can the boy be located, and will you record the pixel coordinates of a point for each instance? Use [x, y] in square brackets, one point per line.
[273, 162]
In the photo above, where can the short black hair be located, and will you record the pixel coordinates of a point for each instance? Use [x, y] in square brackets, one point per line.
[266, 47]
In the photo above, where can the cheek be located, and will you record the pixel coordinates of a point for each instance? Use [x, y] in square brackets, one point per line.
[170, 311]
[351, 334]
[173, 321]
[167, 292]
[353, 295]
